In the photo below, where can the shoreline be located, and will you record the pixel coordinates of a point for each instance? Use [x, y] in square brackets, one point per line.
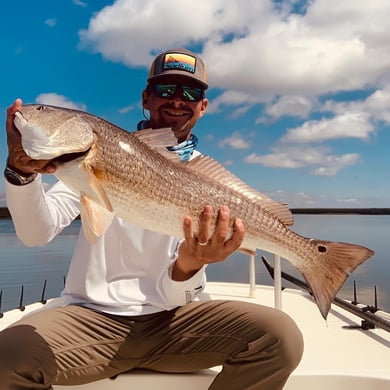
[345, 211]
[4, 213]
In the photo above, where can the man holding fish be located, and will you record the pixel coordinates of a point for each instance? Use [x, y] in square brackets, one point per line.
[130, 299]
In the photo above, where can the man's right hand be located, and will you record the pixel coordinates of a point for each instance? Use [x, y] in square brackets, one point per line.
[17, 158]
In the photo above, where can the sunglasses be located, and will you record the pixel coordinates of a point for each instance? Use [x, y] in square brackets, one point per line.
[191, 94]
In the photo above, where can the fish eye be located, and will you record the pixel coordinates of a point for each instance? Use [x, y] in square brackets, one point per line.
[40, 108]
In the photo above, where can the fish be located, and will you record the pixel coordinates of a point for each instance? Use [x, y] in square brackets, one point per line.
[133, 175]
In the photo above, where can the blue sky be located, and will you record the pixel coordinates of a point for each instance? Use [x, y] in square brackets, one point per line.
[299, 90]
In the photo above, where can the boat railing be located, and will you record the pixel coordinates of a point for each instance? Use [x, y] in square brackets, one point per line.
[277, 277]
[371, 316]
[368, 314]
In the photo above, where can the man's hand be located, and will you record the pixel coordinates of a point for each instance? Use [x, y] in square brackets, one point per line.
[17, 158]
[200, 249]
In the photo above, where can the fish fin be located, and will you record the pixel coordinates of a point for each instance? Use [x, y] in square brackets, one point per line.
[96, 214]
[97, 187]
[213, 170]
[156, 138]
[95, 219]
[247, 251]
[159, 140]
[338, 260]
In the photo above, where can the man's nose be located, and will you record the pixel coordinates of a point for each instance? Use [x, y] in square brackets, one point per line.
[177, 100]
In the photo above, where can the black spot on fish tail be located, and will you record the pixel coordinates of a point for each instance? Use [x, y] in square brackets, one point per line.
[322, 249]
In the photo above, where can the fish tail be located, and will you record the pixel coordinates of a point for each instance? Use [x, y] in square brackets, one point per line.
[337, 261]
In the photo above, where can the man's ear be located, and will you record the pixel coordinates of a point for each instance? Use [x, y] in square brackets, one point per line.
[145, 99]
[203, 108]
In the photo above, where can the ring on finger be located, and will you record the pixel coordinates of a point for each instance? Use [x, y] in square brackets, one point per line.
[202, 243]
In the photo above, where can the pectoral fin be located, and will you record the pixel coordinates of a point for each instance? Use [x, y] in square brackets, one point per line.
[95, 219]
[97, 187]
[96, 214]
[247, 251]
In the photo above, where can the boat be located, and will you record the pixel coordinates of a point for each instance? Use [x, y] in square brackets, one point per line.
[350, 350]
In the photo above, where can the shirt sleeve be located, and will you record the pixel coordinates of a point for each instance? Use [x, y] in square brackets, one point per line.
[179, 293]
[31, 206]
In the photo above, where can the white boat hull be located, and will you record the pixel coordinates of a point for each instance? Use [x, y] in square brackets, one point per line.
[335, 358]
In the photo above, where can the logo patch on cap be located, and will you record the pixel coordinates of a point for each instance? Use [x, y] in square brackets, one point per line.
[179, 61]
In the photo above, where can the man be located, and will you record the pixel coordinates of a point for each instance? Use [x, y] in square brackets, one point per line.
[130, 299]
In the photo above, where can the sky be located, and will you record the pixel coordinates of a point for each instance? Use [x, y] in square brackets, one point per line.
[299, 97]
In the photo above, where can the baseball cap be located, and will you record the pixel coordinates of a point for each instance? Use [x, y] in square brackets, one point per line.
[180, 62]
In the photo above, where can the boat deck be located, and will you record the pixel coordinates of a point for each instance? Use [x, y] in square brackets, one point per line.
[363, 352]
[334, 357]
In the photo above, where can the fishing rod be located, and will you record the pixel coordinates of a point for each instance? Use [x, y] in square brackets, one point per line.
[370, 320]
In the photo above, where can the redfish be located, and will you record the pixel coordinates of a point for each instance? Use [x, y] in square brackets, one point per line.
[134, 176]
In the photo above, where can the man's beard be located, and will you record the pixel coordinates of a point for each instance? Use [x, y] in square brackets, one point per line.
[183, 132]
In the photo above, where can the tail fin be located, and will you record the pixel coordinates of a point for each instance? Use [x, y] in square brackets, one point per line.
[327, 276]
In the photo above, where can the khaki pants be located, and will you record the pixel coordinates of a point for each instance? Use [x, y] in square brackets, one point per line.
[257, 346]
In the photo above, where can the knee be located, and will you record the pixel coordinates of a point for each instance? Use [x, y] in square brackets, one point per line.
[23, 350]
[16, 345]
[290, 341]
[276, 334]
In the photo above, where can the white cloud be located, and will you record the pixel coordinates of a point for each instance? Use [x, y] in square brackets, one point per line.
[375, 106]
[230, 98]
[331, 165]
[51, 22]
[319, 161]
[261, 53]
[80, 3]
[353, 119]
[348, 125]
[305, 199]
[55, 99]
[240, 111]
[227, 163]
[126, 109]
[292, 105]
[255, 48]
[235, 141]
[115, 30]
[295, 199]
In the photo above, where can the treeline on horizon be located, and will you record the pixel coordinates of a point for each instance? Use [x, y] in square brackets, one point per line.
[4, 213]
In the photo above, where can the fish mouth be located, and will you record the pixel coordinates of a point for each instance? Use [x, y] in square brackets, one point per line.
[19, 118]
[64, 158]
[19, 114]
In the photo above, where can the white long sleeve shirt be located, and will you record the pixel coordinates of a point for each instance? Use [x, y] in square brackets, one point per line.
[127, 272]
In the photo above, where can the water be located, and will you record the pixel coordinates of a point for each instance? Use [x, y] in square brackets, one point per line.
[372, 231]
[30, 267]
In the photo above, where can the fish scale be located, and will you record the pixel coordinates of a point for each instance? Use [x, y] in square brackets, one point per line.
[133, 176]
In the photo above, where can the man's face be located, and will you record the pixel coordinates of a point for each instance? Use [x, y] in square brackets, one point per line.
[170, 105]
